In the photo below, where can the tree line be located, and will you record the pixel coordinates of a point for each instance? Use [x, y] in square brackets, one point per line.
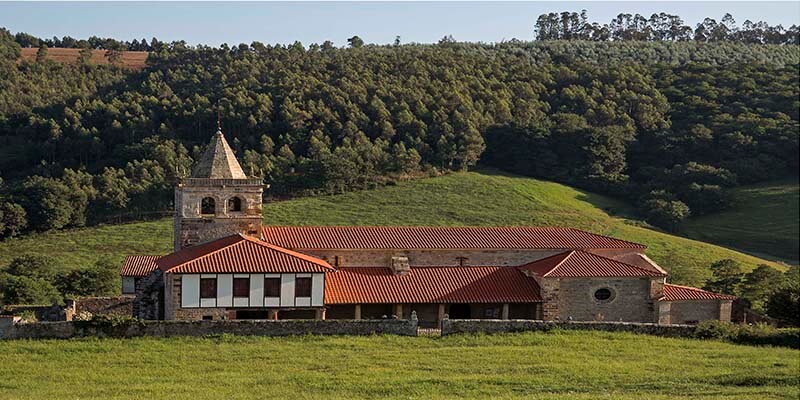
[26, 40]
[669, 126]
[570, 25]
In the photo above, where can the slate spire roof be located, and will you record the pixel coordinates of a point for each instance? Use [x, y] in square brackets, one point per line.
[218, 161]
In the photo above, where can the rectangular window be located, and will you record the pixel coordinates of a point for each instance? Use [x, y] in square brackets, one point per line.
[302, 287]
[272, 287]
[208, 288]
[241, 287]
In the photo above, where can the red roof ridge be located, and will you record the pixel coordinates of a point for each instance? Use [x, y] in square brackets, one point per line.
[353, 237]
[290, 252]
[204, 255]
[567, 255]
[231, 241]
[621, 262]
[643, 246]
[710, 295]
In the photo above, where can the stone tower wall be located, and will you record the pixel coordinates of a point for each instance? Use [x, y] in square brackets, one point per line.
[192, 228]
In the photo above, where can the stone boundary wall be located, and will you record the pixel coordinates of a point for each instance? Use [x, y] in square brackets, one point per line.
[454, 326]
[11, 329]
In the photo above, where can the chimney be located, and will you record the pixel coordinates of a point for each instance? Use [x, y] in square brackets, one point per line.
[400, 266]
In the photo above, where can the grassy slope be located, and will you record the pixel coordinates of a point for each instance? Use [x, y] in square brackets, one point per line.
[557, 365]
[458, 199]
[765, 220]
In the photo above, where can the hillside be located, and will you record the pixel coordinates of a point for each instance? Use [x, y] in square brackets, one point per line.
[764, 220]
[470, 198]
[558, 365]
[130, 59]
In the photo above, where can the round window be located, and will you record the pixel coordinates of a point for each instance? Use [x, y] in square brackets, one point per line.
[603, 294]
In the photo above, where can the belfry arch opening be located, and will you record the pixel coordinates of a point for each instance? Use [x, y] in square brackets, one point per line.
[208, 206]
[235, 204]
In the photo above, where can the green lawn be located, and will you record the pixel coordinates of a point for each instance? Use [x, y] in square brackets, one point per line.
[555, 365]
[765, 219]
[469, 198]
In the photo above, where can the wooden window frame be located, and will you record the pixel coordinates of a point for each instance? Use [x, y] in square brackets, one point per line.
[246, 290]
[216, 288]
[305, 288]
[267, 287]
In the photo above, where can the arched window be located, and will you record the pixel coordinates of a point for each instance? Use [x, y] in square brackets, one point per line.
[207, 206]
[235, 204]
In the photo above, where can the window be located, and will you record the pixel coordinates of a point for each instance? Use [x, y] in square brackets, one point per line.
[272, 287]
[604, 294]
[208, 288]
[235, 204]
[302, 287]
[207, 206]
[241, 287]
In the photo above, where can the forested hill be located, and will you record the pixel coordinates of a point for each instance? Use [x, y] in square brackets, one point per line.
[670, 125]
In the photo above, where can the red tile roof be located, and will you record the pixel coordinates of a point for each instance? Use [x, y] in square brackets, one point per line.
[580, 264]
[416, 237]
[353, 285]
[239, 253]
[138, 266]
[677, 293]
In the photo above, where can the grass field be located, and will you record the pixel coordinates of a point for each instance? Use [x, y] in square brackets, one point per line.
[469, 198]
[555, 365]
[764, 220]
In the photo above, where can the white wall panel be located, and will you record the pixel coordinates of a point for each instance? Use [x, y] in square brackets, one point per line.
[224, 290]
[256, 290]
[302, 301]
[241, 301]
[272, 302]
[208, 302]
[287, 290]
[317, 289]
[190, 291]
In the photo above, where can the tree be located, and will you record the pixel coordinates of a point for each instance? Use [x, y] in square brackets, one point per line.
[114, 56]
[101, 279]
[726, 278]
[759, 283]
[27, 290]
[668, 214]
[33, 266]
[784, 302]
[355, 42]
[85, 55]
[47, 203]
[41, 54]
[12, 219]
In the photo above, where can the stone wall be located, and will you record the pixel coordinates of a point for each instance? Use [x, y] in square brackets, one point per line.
[192, 228]
[692, 312]
[43, 313]
[631, 300]
[121, 305]
[451, 326]
[70, 329]
[149, 296]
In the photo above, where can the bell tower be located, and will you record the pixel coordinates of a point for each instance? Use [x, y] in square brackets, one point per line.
[217, 200]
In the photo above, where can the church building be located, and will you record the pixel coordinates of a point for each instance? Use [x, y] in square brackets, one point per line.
[227, 265]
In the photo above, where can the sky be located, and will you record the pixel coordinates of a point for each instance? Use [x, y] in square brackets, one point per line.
[214, 23]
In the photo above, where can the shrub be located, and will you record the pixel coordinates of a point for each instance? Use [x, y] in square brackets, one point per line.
[100, 279]
[758, 334]
[667, 214]
[27, 290]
